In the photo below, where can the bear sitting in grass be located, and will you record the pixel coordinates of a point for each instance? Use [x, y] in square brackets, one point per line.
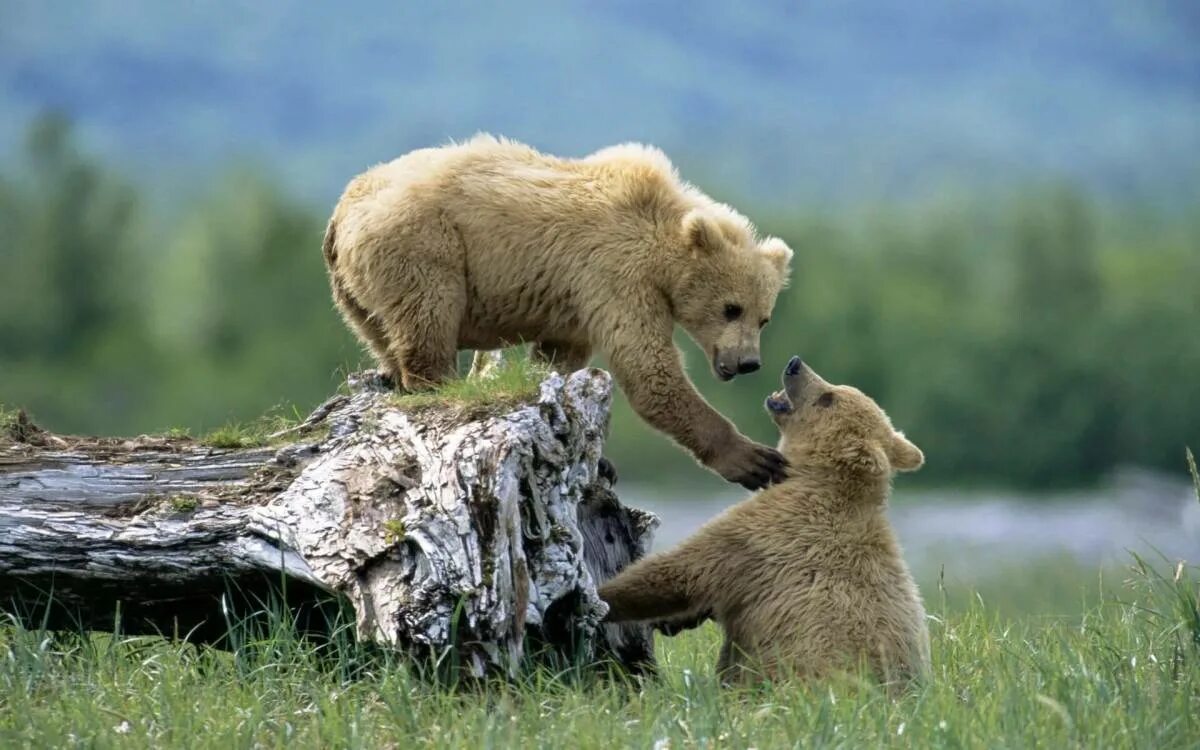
[806, 578]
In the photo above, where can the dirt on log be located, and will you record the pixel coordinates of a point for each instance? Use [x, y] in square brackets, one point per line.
[479, 532]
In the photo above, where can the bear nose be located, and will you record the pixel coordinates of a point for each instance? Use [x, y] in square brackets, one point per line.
[748, 365]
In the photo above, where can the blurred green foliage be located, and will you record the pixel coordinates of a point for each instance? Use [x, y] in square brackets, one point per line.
[1035, 340]
[115, 318]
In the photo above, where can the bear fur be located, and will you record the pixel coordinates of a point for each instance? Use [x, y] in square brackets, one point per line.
[489, 243]
[806, 577]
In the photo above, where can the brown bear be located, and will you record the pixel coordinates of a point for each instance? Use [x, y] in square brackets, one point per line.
[489, 243]
[806, 577]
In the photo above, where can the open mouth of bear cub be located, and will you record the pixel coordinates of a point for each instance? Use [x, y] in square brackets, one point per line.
[780, 402]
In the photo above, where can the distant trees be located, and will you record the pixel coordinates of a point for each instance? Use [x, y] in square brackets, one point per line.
[116, 319]
[68, 227]
[1037, 341]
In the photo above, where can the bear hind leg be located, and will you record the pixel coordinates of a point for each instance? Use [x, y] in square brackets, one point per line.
[368, 330]
[420, 300]
[424, 341]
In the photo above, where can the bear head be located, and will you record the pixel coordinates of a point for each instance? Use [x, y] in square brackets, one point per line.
[725, 291]
[836, 427]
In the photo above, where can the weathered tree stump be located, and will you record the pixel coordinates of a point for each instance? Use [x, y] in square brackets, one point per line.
[478, 531]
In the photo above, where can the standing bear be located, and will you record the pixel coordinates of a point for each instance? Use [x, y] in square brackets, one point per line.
[806, 578]
[489, 243]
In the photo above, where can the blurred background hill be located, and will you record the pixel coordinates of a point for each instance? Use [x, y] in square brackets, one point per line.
[993, 205]
[776, 103]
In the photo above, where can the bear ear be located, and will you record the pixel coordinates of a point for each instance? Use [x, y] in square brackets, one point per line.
[701, 232]
[865, 456]
[904, 455]
[777, 251]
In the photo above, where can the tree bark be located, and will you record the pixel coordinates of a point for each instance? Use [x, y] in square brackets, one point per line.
[473, 531]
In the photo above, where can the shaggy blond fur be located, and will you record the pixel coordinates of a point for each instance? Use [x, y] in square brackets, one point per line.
[489, 243]
[805, 577]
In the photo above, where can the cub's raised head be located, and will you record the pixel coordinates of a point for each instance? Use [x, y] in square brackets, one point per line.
[726, 290]
[836, 426]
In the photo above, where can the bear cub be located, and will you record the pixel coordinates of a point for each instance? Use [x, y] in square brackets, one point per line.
[806, 577]
[489, 243]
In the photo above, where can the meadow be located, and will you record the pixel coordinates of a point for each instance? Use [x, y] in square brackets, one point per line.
[1046, 654]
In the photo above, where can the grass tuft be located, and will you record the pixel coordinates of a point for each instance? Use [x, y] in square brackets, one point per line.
[233, 435]
[16, 425]
[255, 434]
[1191, 462]
[9, 428]
[515, 380]
[183, 503]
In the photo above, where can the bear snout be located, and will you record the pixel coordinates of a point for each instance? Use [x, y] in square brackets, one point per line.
[748, 365]
[724, 364]
[728, 364]
[796, 378]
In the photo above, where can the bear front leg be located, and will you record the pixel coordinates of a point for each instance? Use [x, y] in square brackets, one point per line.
[653, 588]
[653, 379]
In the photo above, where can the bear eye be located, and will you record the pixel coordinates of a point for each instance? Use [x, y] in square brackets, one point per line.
[825, 399]
[733, 312]
[763, 323]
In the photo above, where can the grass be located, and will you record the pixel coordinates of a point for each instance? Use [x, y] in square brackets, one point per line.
[1055, 587]
[8, 417]
[1094, 659]
[183, 503]
[14, 426]
[254, 434]
[1124, 673]
[515, 380]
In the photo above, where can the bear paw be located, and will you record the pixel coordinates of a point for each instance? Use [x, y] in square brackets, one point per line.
[752, 465]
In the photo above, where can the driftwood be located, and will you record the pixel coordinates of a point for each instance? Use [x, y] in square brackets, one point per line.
[479, 532]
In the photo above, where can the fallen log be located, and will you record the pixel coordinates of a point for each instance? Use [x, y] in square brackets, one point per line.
[478, 530]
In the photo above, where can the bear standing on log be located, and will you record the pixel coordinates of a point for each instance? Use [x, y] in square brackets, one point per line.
[489, 243]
